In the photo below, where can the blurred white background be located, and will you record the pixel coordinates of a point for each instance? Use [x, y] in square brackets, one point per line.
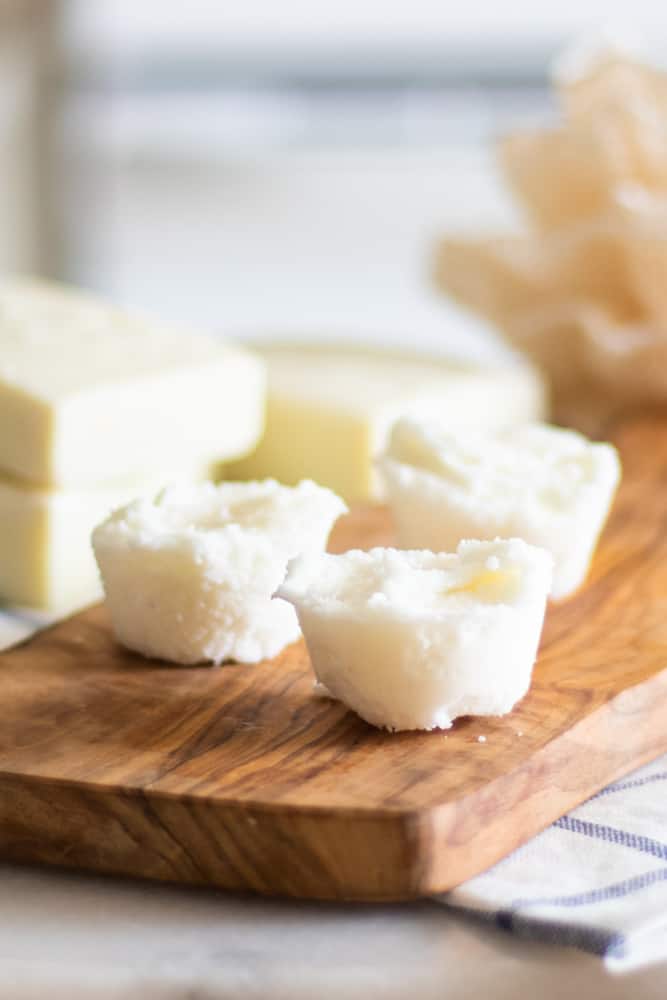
[270, 169]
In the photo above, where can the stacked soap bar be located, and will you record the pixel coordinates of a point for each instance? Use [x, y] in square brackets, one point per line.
[98, 406]
[330, 409]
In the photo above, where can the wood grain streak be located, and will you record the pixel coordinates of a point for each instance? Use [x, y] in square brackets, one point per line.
[240, 777]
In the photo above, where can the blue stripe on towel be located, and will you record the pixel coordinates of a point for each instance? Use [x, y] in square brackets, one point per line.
[594, 940]
[621, 786]
[614, 891]
[636, 842]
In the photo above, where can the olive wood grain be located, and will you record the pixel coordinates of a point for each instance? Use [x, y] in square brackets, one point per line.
[241, 777]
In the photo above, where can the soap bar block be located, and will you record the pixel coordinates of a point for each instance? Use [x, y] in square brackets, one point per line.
[46, 557]
[90, 394]
[330, 409]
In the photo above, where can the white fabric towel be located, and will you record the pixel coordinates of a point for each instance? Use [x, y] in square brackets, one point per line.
[596, 879]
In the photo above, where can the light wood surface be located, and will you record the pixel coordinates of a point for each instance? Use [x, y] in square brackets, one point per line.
[240, 777]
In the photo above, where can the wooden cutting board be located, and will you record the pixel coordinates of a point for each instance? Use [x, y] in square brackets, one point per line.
[240, 777]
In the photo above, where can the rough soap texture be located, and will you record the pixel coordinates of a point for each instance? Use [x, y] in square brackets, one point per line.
[190, 577]
[411, 640]
[549, 486]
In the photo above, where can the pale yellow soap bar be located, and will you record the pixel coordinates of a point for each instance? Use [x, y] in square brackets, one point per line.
[330, 409]
[89, 393]
[46, 556]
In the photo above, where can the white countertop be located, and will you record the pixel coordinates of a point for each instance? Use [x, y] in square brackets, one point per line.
[69, 936]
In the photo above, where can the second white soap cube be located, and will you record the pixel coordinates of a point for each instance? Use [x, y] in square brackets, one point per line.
[190, 577]
[411, 640]
[549, 486]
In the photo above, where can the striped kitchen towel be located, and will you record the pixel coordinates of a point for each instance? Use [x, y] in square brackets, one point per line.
[596, 879]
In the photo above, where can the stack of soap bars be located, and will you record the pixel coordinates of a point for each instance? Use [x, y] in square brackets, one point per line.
[98, 406]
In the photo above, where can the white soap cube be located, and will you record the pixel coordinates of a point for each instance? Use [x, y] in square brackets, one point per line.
[190, 577]
[411, 640]
[549, 486]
